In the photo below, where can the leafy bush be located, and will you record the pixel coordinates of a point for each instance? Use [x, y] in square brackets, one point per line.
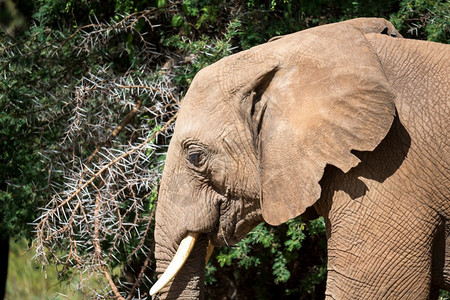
[424, 19]
[285, 260]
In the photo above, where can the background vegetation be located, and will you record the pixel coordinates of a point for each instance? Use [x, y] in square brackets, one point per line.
[27, 281]
[89, 90]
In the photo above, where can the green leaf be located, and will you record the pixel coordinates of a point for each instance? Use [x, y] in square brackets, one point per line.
[177, 21]
[161, 3]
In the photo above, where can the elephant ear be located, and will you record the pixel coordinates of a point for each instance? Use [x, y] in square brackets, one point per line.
[327, 95]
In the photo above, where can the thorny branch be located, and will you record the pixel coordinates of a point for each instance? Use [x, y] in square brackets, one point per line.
[102, 31]
[114, 134]
[98, 221]
[97, 175]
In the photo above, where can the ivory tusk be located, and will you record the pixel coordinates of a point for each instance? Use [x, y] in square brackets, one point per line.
[209, 251]
[184, 249]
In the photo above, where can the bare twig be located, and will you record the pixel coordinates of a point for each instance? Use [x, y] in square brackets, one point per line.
[114, 133]
[105, 170]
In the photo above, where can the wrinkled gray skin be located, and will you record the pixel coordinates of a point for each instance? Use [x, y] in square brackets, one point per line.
[348, 118]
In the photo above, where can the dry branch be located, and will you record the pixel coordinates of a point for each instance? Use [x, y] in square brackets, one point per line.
[105, 173]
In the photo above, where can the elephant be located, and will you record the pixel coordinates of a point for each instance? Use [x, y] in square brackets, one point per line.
[348, 119]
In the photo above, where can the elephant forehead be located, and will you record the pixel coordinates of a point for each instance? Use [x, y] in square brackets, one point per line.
[206, 83]
[205, 120]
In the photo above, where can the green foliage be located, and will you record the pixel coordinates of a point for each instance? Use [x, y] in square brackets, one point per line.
[27, 280]
[274, 254]
[444, 295]
[201, 52]
[265, 19]
[23, 179]
[126, 6]
[196, 14]
[424, 19]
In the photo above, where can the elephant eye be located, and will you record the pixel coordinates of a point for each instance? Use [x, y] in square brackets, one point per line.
[196, 156]
[195, 159]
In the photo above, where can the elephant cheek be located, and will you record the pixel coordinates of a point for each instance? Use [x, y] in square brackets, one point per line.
[189, 282]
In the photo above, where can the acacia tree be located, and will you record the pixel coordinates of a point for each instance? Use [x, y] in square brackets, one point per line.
[88, 105]
[97, 132]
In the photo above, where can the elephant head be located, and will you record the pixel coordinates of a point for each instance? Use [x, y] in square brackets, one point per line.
[255, 132]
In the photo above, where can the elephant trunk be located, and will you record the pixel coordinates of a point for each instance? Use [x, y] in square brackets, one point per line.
[188, 282]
